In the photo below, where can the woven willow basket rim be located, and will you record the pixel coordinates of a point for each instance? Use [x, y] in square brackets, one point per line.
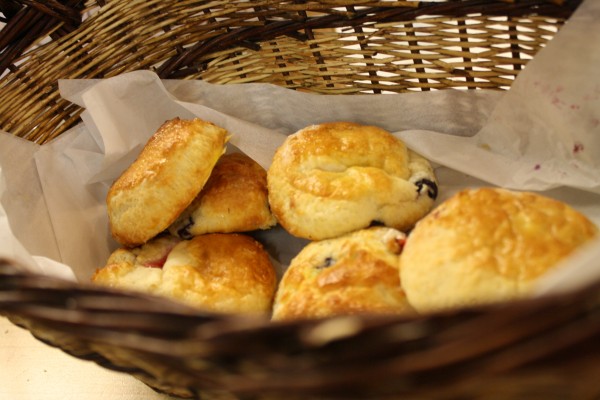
[536, 348]
[429, 356]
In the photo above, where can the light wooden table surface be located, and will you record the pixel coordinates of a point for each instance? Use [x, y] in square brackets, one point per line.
[31, 370]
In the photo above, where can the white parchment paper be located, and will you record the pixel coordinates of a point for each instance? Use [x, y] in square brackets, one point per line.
[543, 135]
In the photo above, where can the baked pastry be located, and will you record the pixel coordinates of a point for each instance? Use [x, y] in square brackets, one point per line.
[356, 273]
[330, 179]
[168, 174]
[487, 245]
[234, 199]
[226, 273]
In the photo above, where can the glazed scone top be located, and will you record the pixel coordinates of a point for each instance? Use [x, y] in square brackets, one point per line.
[227, 273]
[165, 178]
[487, 245]
[334, 178]
[351, 274]
[234, 199]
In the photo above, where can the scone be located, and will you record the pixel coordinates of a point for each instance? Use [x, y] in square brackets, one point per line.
[225, 273]
[234, 199]
[353, 274]
[330, 179]
[168, 174]
[487, 245]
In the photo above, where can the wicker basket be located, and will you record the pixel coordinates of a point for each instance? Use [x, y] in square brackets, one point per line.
[542, 348]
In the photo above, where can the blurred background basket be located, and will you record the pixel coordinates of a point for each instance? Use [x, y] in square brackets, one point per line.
[544, 348]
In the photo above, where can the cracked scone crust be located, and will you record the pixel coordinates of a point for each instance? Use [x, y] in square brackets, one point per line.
[226, 273]
[165, 178]
[487, 245]
[356, 273]
[330, 179]
[234, 199]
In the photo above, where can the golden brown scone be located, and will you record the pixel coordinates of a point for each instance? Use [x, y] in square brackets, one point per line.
[170, 171]
[234, 199]
[356, 273]
[330, 179]
[227, 273]
[487, 245]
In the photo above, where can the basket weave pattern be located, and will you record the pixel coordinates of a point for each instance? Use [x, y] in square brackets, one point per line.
[535, 349]
[319, 46]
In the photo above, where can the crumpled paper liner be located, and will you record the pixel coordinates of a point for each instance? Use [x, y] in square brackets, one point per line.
[545, 131]
[542, 135]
